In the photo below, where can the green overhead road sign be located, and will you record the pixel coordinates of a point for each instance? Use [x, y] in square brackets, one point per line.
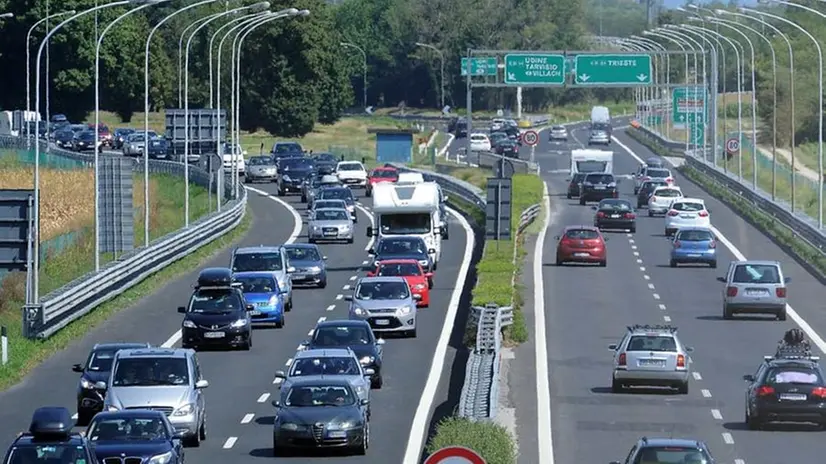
[613, 70]
[686, 101]
[696, 128]
[534, 69]
[484, 66]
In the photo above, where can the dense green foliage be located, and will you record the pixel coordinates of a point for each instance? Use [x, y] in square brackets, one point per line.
[492, 441]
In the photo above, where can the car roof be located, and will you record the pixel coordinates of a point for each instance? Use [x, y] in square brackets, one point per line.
[119, 346]
[580, 227]
[381, 279]
[313, 380]
[154, 353]
[667, 187]
[385, 168]
[680, 442]
[258, 249]
[757, 261]
[690, 200]
[252, 274]
[324, 353]
[343, 323]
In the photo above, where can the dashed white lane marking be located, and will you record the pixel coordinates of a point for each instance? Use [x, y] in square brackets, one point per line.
[633, 247]
[667, 318]
[339, 296]
[639, 261]
[715, 413]
[636, 253]
[352, 278]
[646, 277]
[651, 286]
[642, 268]
[346, 287]
[706, 393]
[321, 319]
[230, 442]
[365, 262]
[727, 438]
[289, 362]
[299, 348]
[739, 461]
[263, 398]
[247, 418]
[662, 307]
[277, 380]
[629, 235]
[331, 307]
[310, 333]
[630, 240]
[697, 376]
[656, 296]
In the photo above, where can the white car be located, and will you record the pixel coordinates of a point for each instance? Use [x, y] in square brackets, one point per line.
[649, 173]
[479, 142]
[686, 212]
[660, 200]
[240, 164]
[352, 174]
[497, 124]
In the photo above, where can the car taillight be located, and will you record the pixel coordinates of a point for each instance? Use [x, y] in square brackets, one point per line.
[600, 214]
[621, 359]
[654, 198]
[673, 213]
[731, 291]
[703, 214]
[712, 244]
[819, 392]
[630, 215]
[677, 244]
[780, 292]
[616, 194]
[680, 360]
[669, 180]
[765, 390]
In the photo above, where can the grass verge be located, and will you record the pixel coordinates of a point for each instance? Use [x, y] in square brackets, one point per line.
[25, 354]
[492, 441]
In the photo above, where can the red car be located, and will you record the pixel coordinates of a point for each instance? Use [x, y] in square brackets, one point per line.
[420, 282]
[103, 134]
[377, 175]
[581, 244]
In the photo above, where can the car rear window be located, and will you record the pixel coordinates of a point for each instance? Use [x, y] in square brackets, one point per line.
[687, 206]
[617, 205]
[756, 274]
[581, 234]
[694, 236]
[660, 173]
[671, 455]
[578, 178]
[558, 128]
[794, 375]
[599, 178]
[652, 343]
[650, 186]
[477, 137]
[668, 193]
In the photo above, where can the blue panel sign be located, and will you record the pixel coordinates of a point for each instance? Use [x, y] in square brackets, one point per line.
[394, 147]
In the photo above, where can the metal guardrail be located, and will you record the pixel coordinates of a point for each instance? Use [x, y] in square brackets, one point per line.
[527, 217]
[466, 191]
[799, 224]
[62, 306]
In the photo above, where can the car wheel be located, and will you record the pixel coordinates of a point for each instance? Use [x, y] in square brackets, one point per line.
[349, 241]
[752, 423]
[781, 315]
[683, 388]
[568, 196]
[672, 263]
[727, 314]
[365, 441]
[616, 386]
[559, 261]
[202, 431]
[280, 324]
[376, 382]
[581, 200]
[603, 263]
[713, 264]
[248, 345]
[322, 284]
[281, 192]
[84, 418]
[289, 305]
[639, 205]
[667, 233]
[636, 190]
[633, 229]
[650, 213]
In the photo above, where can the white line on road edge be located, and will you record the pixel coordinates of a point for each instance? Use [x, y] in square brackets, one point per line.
[321, 319]
[419, 427]
[263, 398]
[297, 225]
[230, 442]
[797, 318]
[443, 150]
[346, 287]
[247, 418]
[372, 223]
[339, 296]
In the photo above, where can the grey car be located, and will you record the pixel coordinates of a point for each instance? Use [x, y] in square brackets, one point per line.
[161, 379]
[754, 287]
[330, 224]
[321, 204]
[310, 266]
[272, 259]
[339, 193]
[599, 137]
[260, 169]
[558, 133]
[651, 355]
[386, 303]
[134, 144]
[324, 363]
[313, 185]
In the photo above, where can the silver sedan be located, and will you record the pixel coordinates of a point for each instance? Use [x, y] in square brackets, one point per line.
[333, 224]
[261, 168]
[134, 144]
[386, 303]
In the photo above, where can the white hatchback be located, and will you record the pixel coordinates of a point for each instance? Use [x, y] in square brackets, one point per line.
[479, 142]
[660, 200]
[351, 173]
[686, 212]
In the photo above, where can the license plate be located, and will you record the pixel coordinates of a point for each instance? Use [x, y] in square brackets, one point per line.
[756, 292]
[615, 216]
[687, 216]
[793, 397]
[255, 313]
[330, 233]
[214, 335]
[599, 187]
[155, 144]
[382, 322]
[299, 276]
[581, 255]
[652, 362]
[694, 255]
[337, 434]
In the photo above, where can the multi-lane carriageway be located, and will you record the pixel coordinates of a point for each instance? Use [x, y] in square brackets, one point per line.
[242, 384]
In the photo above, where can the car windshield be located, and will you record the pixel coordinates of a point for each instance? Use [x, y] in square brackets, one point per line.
[334, 395]
[498, 135]
[250, 284]
[101, 360]
[399, 269]
[332, 215]
[336, 194]
[127, 429]
[287, 148]
[210, 301]
[652, 343]
[671, 193]
[405, 223]
[577, 178]
[322, 204]
[558, 128]
[136, 138]
[350, 167]
[401, 247]
[341, 336]
[659, 173]
[52, 453]
[296, 164]
[382, 291]
[147, 372]
[615, 205]
[694, 236]
[599, 178]
[385, 174]
[687, 207]
[302, 254]
[756, 274]
[260, 161]
[671, 455]
[338, 365]
[794, 375]
[251, 262]
[581, 234]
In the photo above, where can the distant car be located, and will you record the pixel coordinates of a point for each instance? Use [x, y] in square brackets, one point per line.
[645, 191]
[507, 148]
[314, 184]
[661, 198]
[146, 435]
[694, 245]
[558, 133]
[338, 363]
[386, 303]
[599, 137]
[615, 213]
[104, 135]
[272, 259]
[261, 290]
[85, 141]
[339, 193]
[479, 142]
[119, 136]
[496, 124]
[134, 144]
[261, 169]
[326, 158]
[310, 266]
[575, 185]
[352, 174]
[755, 287]
[581, 244]
[686, 212]
[330, 224]
[651, 356]
[655, 174]
[496, 137]
[420, 282]
[598, 186]
[63, 138]
[380, 175]
[291, 174]
[403, 247]
[322, 204]
[672, 450]
[356, 335]
[233, 159]
[325, 167]
[283, 149]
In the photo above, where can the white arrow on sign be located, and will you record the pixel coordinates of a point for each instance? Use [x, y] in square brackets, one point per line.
[641, 77]
[510, 77]
[682, 118]
[584, 77]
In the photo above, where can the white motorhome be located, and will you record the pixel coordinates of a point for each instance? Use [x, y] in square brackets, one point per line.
[14, 122]
[409, 209]
[589, 160]
[410, 178]
[418, 178]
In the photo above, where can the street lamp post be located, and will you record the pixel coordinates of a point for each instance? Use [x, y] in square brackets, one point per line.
[682, 47]
[710, 89]
[721, 48]
[364, 73]
[184, 33]
[442, 67]
[648, 93]
[210, 47]
[666, 123]
[682, 33]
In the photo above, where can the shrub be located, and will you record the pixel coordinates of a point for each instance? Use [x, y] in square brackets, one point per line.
[492, 441]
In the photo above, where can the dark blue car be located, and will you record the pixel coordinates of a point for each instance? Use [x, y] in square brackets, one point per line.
[137, 435]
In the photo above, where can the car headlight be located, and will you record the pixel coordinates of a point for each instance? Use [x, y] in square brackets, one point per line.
[273, 301]
[367, 360]
[418, 287]
[290, 426]
[112, 408]
[85, 383]
[184, 410]
[424, 262]
[316, 228]
[165, 458]
[359, 312]
[315, 269]
[189, 324]
[283, 286]
[345, 228]
[239, 323]
[341, 425]
[404, 310]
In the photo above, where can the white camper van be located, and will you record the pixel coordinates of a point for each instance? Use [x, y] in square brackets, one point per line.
[588, 160]
[410, 209]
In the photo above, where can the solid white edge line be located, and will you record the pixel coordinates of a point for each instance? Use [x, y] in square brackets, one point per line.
[420, 424]
[372, 224]
[543, 388]
[797, 318]
[230, 442]
[298, 224]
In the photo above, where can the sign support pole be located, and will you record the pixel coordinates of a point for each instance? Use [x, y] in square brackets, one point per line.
[469, 95]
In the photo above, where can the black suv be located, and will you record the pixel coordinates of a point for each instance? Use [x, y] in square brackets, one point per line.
[353, 334]
[50, 439]
[596, 187]
[574, 185]
[647, 189]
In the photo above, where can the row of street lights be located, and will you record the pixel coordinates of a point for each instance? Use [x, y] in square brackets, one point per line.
[256, 16]
[697, 37]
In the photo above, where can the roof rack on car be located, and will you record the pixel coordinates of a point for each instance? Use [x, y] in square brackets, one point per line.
[793, 351]
[652, 328]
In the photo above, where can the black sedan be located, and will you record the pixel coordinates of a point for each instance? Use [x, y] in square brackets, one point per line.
[84, 141]
[647, 189]
[321, 413]
[615, 214]
[137, 435]
[355, 335]
[596, 187]
[508, 148]
[575, 185]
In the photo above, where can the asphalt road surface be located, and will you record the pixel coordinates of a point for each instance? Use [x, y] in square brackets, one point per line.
[242, 384]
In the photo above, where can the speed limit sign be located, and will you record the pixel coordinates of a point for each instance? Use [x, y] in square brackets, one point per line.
[455, 455]
[530, 137]
[732, 146]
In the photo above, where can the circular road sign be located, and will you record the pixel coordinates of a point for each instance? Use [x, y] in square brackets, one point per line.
[454, 455]
[530, 137]
[732, 146]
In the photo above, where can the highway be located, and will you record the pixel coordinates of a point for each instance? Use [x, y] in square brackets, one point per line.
[242, 384]
[587, 308]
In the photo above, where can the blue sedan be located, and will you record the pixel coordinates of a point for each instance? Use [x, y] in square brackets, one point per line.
[695, 245]
[261, 290]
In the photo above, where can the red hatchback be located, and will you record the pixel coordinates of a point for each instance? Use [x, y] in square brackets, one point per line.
[103, 134]
[581, 244]
[378, 175]
[420, 282]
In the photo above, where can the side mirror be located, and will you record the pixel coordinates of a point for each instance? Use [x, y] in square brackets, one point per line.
[290, 270]
[182, 309]
[305, 343]
[689, 349]
[371, 251]
[324, 258]
[178, 435]
[556, 237]
[431, 250]
[100, 385]
[371, 274]
[77, 368]
[364, 401]
[429, 275]
[276, 403]
[369, 371]
[748, 378]
[437, 230]
[721, 279]
[370, 232]
[380, 342]
[201, 384]
[280, 375]
[417, 297]
[787, 280]
[348, 297]
[250, 307]
[612, 347]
